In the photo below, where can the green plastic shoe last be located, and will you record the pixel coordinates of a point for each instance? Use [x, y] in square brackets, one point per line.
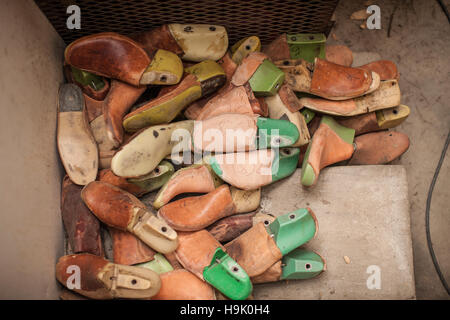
[156, 179]
[293, 229]
[308, 176]
[227, 276]
[285, 163]
[159, 264]
[267, 79]
[306, 46]
[302, 264]
[87, 78]
[285, 133]
[308, 114]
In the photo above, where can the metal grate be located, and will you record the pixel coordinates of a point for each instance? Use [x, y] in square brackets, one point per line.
[266, 19]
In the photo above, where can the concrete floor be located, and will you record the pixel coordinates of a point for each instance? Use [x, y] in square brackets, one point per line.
[419, 44]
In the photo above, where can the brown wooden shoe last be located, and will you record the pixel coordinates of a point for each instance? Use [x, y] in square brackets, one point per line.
[387, 70]
[258, 104]
[157, 38]
[120, 99]
[106, 175]
[331, 80]
[195, 250]
[195, 179]
[173, 260]
[91, 286]
[121, 210]
[379, 147]
[196, 213]
[363, 123]
[289, 98]
[278, 49]
[183, 285]
[270, 275]
[94, 108]
[376, 120]
[229, 228]
[66, 294]
[82, 227]
[339, 54]
[255, 250]
[101, 279]
[229, 66]
[204, 136]
[233, 101]
[112, 205]
[110, 55]
[194, 109]
[128, 249]
[386, 96]
[328, 80]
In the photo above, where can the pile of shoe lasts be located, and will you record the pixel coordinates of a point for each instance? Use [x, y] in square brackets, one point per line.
[137, 112]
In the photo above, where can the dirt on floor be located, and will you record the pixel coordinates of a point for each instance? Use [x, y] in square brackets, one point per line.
[419, 43]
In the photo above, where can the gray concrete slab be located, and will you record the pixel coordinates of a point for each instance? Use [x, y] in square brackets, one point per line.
[363, 213]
